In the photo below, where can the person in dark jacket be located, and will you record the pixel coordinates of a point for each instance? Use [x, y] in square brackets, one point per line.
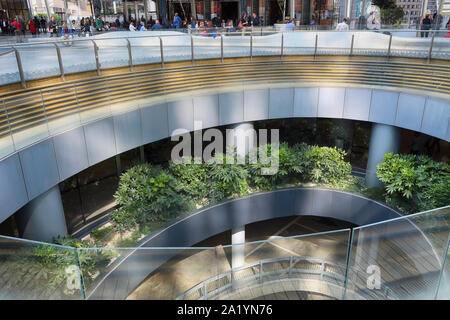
[53, 27]
[157, 25]
[255, 20]
[43, 25]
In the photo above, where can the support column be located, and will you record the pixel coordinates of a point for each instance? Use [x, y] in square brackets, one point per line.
[125, 10]
[243, 136]
[162, 13]
[237, 251]
[383, 139]
[43, 217]
[146, 12]
[136, 13]
[348, 9]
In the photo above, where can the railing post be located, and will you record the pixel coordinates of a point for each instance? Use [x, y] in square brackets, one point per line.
[290, 266]
[205, 292]
[431, 47]
[347, 267]
[97, 62]
[130, 56]
[315, 46]
[60, 63]
[389, 46]
[260, 271]
[282, 45]
[322, 270]
[221, 48]
[192, 50]
[251, 47]
[162, 51]
[78, 266]
[20, 67]
[351, 47]
[441, 272]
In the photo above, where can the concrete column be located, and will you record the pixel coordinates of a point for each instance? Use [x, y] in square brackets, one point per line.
[125, 10]
[43, 217]
[146, 12]
[243, 136]
[383, 139]
[238, 251]
[136, 13]
[348, 9]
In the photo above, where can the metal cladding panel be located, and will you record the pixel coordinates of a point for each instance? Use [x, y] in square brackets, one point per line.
[281, 103]
[155, 123]
[410, 111]
[436, 118]
[71, 152]
[331, 102]
[128, 132]
[256, 104]
[383, 108]
[357, 104]
[39, 168]
[231, 107]
[206, 110]
[100, 140]
[306, 101]
[181, 115]
[13, 193]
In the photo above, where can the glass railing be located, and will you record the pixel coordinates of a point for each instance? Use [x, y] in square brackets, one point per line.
[42, 58]
[402, 258]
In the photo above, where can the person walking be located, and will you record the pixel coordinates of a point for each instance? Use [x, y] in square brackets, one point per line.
[425, 24]
[17, 28]
[343, 26]
[255, 20]
[290, 26]
[32, 28]
[43, 25]
[157, 25]
[53, 27]
[132, 27]
[99, 24]
[177, 21]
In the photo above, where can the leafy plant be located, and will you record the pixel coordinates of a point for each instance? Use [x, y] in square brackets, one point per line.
[414, 182]
[327, 165]
[146, 193]
[227, 177]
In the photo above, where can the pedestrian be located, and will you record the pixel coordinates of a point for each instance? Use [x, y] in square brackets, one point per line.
[255, 20]
[16, 27]
[32, 28]
[157, 25]
[132, 27]
[43, 25]
[425, 24]
[118, 22]
[53, 27]
[343, 26]
[290, 26]
[142, 26]
[99, 23]
[177, 21]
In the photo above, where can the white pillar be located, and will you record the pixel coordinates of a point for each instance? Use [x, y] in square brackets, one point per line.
[348, 9]
[383, 139]
[243, 137]
[237, 251]
[43, 217]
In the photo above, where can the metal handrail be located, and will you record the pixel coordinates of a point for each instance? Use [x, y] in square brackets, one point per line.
[202, 287]
[71, 42]
[22, 108]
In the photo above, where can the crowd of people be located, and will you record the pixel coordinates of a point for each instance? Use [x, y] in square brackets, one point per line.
[86, 26]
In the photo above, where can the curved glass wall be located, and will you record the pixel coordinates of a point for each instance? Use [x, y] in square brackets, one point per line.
[403, 258]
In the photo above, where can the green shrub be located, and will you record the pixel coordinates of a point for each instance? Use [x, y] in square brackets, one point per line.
[327, 165]
[100, 234]
[292, 165]
[146, 193]
[193, 178]
[414, 182]
[227, 177]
